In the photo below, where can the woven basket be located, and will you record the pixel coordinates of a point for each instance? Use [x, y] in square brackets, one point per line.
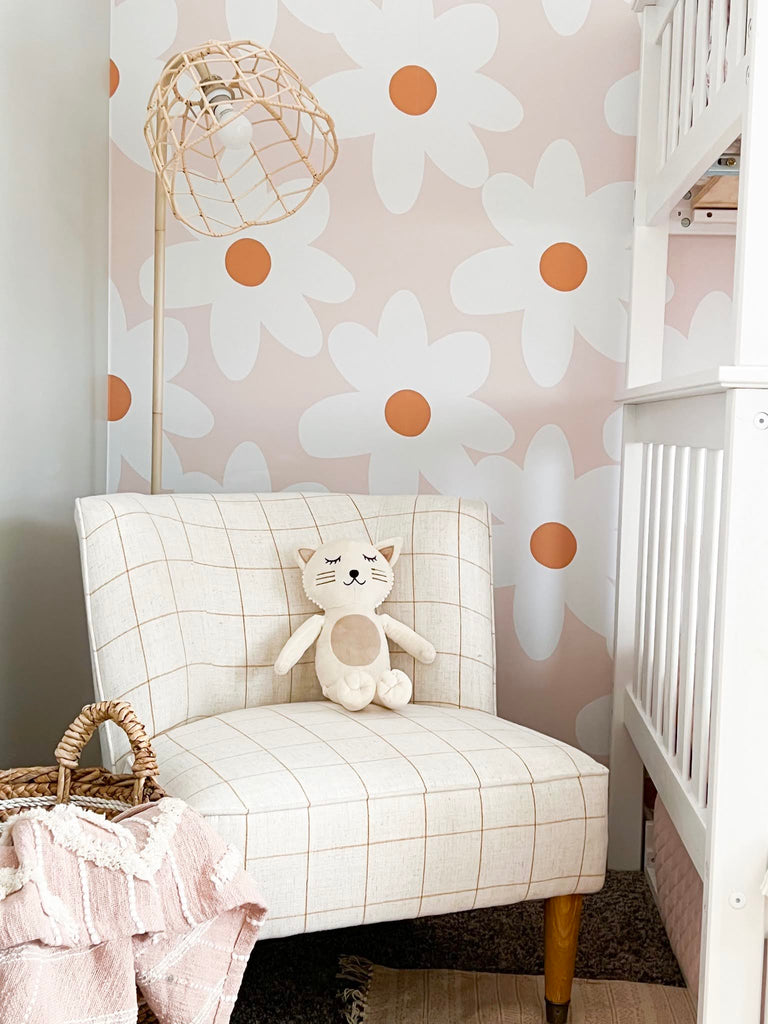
[94, 788]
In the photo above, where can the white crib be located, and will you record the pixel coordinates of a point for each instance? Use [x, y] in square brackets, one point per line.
[691, 670]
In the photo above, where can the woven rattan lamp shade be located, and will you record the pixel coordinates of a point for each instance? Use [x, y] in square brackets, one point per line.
[217, 189]
[237, 140]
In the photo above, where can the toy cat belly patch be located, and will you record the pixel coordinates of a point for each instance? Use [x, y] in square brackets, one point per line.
[355, 640]
[348, 580]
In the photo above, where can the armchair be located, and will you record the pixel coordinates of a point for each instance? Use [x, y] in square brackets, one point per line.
[344, 817]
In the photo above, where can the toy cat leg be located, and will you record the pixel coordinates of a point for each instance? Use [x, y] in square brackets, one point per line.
[354, 691]
[393, 689]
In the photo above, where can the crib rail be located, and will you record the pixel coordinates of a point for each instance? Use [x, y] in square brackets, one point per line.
[696, 54]
[674, 468]
[691, 658]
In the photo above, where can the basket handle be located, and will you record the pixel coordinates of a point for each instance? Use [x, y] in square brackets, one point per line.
[71, 744]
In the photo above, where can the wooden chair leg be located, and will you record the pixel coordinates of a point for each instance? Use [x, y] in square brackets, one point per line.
[561, 936]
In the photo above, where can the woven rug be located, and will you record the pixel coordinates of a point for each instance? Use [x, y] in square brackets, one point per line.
[378, 995]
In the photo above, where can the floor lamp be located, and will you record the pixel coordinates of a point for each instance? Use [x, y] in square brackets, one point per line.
[236, 140]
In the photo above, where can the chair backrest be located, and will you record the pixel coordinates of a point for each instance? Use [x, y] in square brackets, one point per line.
[191, 596]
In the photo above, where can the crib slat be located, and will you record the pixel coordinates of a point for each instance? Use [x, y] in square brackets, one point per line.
[686, 80]
[657, 452]
[700, 59]
[662, 590]
[736, 40]
[677, 555]
[689, 613]
[642, 568]
[706, 633]
[719, 28]
[676, 60]
[666, 51]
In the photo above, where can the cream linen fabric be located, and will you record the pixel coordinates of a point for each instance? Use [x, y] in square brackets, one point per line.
[351, 817]
[343, 817]
[191, 596]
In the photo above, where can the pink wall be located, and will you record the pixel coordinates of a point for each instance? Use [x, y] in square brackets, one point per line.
[494, 288]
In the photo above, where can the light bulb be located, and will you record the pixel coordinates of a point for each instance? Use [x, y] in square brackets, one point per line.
[235, 132]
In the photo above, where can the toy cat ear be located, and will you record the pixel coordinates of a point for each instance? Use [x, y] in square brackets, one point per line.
[390, 549]
[303, 555]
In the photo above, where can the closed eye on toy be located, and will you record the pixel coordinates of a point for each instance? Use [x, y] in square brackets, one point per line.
[333, 561]
[371, 558]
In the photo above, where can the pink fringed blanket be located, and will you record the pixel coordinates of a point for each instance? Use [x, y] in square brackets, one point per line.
[89, 908]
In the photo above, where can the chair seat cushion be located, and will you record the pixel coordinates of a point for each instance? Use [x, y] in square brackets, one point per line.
[351, 817]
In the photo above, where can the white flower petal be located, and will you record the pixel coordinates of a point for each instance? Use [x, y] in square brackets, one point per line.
[339, 426]
[175, 344]
[388, 475]
[490, 105]
[593, 726]
[307, 487]
[398, 169]
[292, 321]
[604, 325]
[321, 15]
[302, 227]
[363, 33]
[321, 276]
[401, 317]
[593, 605]
[612, 429]
[709, 342]
[548, 461]
[566, 16]
[512, 207]
[460, 155]
[480, 427]
[560, 171]
[354, 100]
[621, 102]
[490, 282]
[235, 335]
[448, 469]
[358, 355]
[247, 470]
[466, 35]
[459, 363]
[142, 31]
[249, 20]
[547, 340]
[193, 271]
[609, 212]
[539, 613]
[185, 414]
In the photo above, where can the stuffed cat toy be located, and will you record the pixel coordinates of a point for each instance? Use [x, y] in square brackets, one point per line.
[349, 579]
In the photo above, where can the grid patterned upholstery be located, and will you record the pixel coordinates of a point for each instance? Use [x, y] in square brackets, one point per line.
[190, 597]
[353, 817]
[342, 817]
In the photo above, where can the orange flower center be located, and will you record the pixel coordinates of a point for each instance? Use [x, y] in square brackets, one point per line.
[563, 266]
[407, 413]
[413, 90]
[553, 545]
[114, 77]
[118, 398]
[248, 262]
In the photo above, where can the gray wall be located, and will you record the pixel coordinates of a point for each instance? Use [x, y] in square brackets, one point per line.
[53, 351]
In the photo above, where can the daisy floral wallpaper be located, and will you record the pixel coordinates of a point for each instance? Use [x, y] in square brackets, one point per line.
[446, 314]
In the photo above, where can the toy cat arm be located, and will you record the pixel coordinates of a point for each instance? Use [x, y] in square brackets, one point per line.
[410, 641]
[298, 643]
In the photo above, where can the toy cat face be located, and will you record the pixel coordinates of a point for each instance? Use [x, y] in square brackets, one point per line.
[349, 572]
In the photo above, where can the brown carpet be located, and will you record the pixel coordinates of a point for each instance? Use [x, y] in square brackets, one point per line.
[378, 995]
[293, 980]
